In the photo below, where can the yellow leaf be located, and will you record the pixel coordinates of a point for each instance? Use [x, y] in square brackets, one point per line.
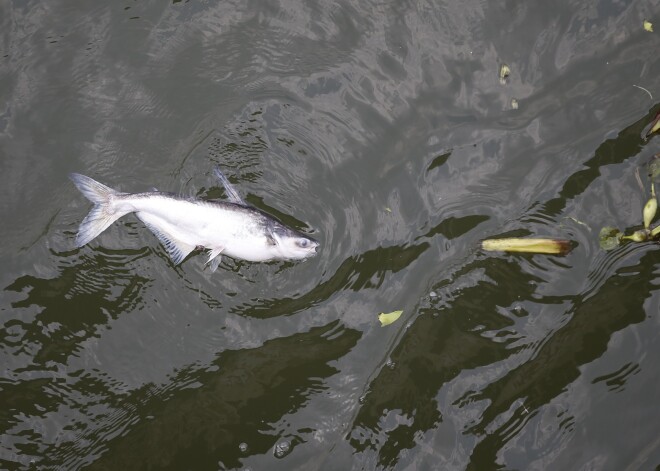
[387, 319]
[547, 246]
[505, 71]
[648, 26]
[650, 208]
[655, 127]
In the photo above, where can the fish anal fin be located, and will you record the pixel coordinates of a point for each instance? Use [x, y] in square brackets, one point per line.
[176, 249]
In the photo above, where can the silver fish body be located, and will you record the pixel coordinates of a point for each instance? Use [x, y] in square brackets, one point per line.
[231, 227]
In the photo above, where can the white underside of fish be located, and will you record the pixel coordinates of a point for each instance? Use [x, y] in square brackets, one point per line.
[223, 228]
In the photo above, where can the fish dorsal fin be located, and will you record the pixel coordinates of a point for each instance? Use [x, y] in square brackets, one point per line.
[176, 249]
[232, 194]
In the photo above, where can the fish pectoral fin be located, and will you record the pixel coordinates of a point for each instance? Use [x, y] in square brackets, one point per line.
[176, 249]
[270, 239]
[214, 259]
[232, 194]
[213, 265]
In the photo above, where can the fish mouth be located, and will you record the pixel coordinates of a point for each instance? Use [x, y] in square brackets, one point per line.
[314, 249]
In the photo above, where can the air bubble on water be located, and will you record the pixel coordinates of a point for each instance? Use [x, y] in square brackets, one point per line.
[282, 449]
[433, 294]
[243, 447]
[390, 364]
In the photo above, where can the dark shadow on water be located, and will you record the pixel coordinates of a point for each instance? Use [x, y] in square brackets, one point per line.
[557, 363]
[438, 346]
[453, 227]
[75, 304]
[364, 271]
[444, 342]
[203, 415]
[628, 143]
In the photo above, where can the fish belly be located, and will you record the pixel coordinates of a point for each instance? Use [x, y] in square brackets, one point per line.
[205, 225]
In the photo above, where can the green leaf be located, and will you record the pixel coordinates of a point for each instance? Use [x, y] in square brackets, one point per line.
[387, 319]
[650, 208]
[609, 238]
[637, 236]
[654, 168]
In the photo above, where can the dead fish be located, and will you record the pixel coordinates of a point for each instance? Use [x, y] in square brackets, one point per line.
[182, 224]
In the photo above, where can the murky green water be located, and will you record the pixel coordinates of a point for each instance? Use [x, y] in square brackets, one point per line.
[382, 129]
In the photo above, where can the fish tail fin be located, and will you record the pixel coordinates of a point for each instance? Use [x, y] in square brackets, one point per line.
[104, 211]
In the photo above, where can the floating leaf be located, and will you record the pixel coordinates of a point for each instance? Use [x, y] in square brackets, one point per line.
[547, 246]
[655, 126]
[514, 104]
[654, 167]
[388, 210]
[609, 238]
[505, 71]
[387, 319]
[637, 236]
[650, 208]
[655, 232]
[648, 26]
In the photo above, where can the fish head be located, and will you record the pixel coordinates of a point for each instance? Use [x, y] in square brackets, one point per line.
[290, 244]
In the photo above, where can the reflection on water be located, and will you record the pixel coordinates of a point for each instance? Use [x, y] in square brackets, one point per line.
[383, 131]
[204, 414]
[71, 307]
[469, 335]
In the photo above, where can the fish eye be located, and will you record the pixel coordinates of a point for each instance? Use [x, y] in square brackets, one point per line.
[303, 243]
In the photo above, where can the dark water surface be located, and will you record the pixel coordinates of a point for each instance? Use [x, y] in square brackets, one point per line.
[383, 130]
